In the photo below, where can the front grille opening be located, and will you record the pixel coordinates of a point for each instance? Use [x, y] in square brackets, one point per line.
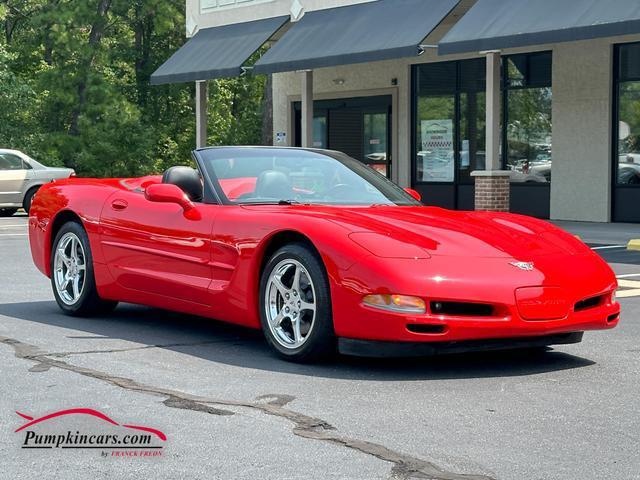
[426, 328]
[588, 303]
[613, 318]
[462, 309]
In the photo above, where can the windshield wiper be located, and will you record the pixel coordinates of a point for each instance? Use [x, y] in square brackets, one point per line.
[289, 202]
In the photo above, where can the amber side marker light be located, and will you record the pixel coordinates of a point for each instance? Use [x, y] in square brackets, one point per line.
[396, 303]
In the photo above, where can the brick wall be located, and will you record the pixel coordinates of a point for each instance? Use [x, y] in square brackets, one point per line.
[492, 193]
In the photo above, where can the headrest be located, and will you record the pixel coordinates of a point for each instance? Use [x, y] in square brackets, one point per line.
[187, 179]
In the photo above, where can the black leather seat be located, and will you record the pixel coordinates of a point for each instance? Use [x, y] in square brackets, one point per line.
[273, 184]
[187, 179]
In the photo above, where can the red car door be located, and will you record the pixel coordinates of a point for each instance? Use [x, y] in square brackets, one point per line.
[152, 247]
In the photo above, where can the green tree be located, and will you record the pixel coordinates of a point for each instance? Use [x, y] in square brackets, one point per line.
[74, 79]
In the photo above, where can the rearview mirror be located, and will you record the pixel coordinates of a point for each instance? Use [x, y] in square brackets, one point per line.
[413, 193]
[168, 193]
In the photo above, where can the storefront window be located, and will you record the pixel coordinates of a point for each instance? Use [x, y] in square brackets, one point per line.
[435, 156]
[449, 121]
[473, 134]
[375, 141]
[320, 131]
[527, 132]
[628, 172]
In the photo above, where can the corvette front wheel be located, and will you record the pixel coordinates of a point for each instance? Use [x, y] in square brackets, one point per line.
[295, 305]
[72, 278]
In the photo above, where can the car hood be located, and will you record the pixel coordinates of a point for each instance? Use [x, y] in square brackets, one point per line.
[455, 233]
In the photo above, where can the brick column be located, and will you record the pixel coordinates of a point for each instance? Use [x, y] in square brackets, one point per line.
[492, 190]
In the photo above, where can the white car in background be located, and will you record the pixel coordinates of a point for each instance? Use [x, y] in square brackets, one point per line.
[21, 177]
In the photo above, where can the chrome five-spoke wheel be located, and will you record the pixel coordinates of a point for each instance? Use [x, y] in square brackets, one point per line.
[295, 304]
[290, 303]
[69, 268]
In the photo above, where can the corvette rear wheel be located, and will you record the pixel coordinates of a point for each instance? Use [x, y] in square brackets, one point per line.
[295, 305]
[72, 278]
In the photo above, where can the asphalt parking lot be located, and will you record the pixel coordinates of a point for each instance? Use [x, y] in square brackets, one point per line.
[230, 409]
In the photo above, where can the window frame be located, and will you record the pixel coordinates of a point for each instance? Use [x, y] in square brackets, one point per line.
[505, 89]
[618, 80]
[457, 91]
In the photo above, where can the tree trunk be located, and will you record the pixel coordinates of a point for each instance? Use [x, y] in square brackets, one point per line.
[9, 26]
[267, 112]
[143, 27]
[95, 37]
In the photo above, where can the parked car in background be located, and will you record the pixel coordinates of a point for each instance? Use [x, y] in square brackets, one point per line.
[629, 173]
[21, 177]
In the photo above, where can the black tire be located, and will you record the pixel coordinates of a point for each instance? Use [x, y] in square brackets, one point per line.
[320, 342]
[89, 302]
[7, 212]
[28, 198]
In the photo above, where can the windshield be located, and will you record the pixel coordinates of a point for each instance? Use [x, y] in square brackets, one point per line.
[273, 175]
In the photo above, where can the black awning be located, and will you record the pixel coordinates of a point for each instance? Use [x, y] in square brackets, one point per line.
[365, 32]
[498, 24]
[217, 52]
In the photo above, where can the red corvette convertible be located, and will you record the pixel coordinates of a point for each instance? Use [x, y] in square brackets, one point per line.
[320, 252]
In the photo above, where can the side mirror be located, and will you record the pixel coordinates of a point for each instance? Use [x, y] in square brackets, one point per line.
[168, 193]
[413, 193]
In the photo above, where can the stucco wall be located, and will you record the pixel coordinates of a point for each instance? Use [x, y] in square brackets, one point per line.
[582, 91]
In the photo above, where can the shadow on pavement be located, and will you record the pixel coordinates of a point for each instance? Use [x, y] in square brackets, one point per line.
[231, 345]
[620, 255]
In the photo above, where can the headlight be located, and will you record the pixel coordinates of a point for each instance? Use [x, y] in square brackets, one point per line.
[613, 296]
[396, 303]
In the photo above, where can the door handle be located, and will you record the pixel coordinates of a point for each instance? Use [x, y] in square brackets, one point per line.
[119, 204]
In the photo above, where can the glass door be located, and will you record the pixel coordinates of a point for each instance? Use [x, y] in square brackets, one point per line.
[359, 127]
[449, 131]
[435, 133]
[376, 126]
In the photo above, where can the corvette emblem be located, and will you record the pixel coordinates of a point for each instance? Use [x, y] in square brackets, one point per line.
[526, 266]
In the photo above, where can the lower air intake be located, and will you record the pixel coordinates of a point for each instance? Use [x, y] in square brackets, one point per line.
[462, 309]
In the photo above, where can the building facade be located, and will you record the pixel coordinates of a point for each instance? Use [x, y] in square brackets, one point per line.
[562, 118]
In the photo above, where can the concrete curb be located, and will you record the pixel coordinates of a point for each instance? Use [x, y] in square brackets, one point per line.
[634, 244]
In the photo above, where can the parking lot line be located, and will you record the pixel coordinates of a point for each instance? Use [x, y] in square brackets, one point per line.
[629, 288]
[14, 225]
[608, 247]
[629, 275]
[13, 234]
[628, 293]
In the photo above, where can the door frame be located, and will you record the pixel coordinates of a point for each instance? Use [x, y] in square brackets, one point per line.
[621, 195]
[378, 92]
[449, 193]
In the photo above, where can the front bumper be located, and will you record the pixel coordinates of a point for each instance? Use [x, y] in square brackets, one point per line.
[567, 279]
[369, 348]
